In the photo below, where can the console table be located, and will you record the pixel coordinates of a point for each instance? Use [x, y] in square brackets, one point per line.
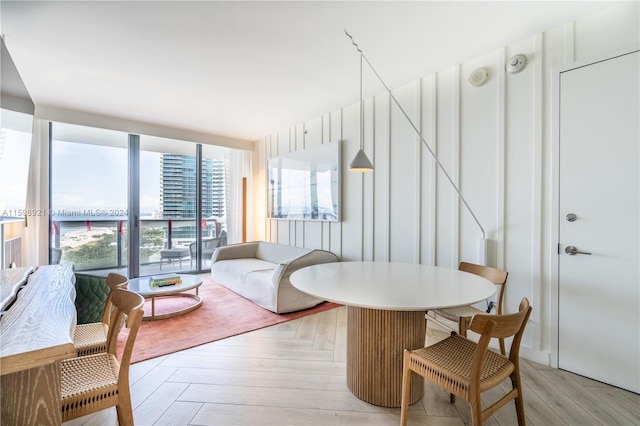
[36, 333]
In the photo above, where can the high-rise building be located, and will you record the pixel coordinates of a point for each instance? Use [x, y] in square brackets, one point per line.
[178, 187]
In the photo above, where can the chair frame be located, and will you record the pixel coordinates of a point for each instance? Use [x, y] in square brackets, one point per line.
[209, 245]
[92, 330]
[470, 388]
[496, 276]
[128, 309]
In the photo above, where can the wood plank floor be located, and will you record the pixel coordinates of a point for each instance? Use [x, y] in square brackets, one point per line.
[294, 374]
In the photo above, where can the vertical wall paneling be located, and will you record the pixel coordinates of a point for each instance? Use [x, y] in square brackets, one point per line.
[403, 183]
[431, 176]
[368, 190]
[296, 237]
[381, 201]
[266, 153]
[455, 170]
[352, 186]
[495, 255]
[335, 234]
[536, 226]
[417, 256]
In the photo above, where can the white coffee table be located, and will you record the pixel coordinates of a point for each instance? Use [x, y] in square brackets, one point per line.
[189, 282]
[386, 304]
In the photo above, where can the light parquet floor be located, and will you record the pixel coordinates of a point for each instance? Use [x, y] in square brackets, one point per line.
[294, 374]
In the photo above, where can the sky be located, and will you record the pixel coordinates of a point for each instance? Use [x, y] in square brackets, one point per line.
[95, 177]
[15, 149]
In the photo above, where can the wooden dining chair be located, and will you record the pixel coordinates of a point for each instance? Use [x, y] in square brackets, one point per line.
[94, 382]
[91, 338]
[461, 316]
[466, 369]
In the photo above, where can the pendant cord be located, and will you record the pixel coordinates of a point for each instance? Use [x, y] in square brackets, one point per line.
[361, 108]
[435, 157]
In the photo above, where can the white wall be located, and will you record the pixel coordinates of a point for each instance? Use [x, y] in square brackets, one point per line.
[496, 142]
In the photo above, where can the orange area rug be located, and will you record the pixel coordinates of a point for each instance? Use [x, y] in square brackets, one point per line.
[223, 314]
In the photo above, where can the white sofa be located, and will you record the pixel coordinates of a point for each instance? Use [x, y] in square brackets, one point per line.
[260, 271]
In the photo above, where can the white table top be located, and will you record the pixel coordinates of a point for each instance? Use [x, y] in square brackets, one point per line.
[392, 286]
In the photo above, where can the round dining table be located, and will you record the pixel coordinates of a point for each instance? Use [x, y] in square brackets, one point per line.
[386, 305]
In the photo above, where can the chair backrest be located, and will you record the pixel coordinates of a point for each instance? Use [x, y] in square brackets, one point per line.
[496, 276]
[113, 281]
[501, 326]
[211, 243]
[128, 309]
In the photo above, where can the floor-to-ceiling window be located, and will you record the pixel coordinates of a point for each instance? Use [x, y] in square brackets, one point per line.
[168, 205]
[180, 207]
[88, 197]
[15, 149]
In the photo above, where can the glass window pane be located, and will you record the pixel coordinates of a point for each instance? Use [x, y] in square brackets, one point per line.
[15, 150]
[88, 196]
[167, 205]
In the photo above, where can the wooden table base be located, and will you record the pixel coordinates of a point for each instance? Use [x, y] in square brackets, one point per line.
[376, 340]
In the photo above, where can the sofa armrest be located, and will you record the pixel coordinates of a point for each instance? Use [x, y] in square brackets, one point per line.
[235, 251]
[284, 269]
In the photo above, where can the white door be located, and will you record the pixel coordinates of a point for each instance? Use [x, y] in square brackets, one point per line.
[599, 297]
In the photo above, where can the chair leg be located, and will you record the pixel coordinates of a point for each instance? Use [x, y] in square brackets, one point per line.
[462, 326]
[124, 410]
[406, 388]
[515, 382]
[476, 419]
[476, 410]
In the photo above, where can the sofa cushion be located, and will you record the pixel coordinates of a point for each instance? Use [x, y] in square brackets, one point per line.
[278, 253]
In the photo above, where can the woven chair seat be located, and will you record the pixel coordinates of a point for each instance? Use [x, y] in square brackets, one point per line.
[89, 381]
[453, 314]
[437, 364]
[90, 338]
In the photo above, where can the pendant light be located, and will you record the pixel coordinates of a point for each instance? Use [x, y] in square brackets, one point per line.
[360, 162]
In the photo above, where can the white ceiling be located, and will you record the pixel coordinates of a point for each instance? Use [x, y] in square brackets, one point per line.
[247, 69]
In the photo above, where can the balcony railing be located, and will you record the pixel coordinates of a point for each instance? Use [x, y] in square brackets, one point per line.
[101, 243]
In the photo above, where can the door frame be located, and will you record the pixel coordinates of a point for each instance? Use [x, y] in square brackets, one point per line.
[554, 261]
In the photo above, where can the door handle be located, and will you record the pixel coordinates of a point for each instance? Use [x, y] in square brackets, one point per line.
[572, 250]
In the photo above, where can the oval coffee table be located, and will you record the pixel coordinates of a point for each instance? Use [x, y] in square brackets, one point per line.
[189, 282]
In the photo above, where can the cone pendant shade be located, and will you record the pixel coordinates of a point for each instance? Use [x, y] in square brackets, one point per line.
[361, 163]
